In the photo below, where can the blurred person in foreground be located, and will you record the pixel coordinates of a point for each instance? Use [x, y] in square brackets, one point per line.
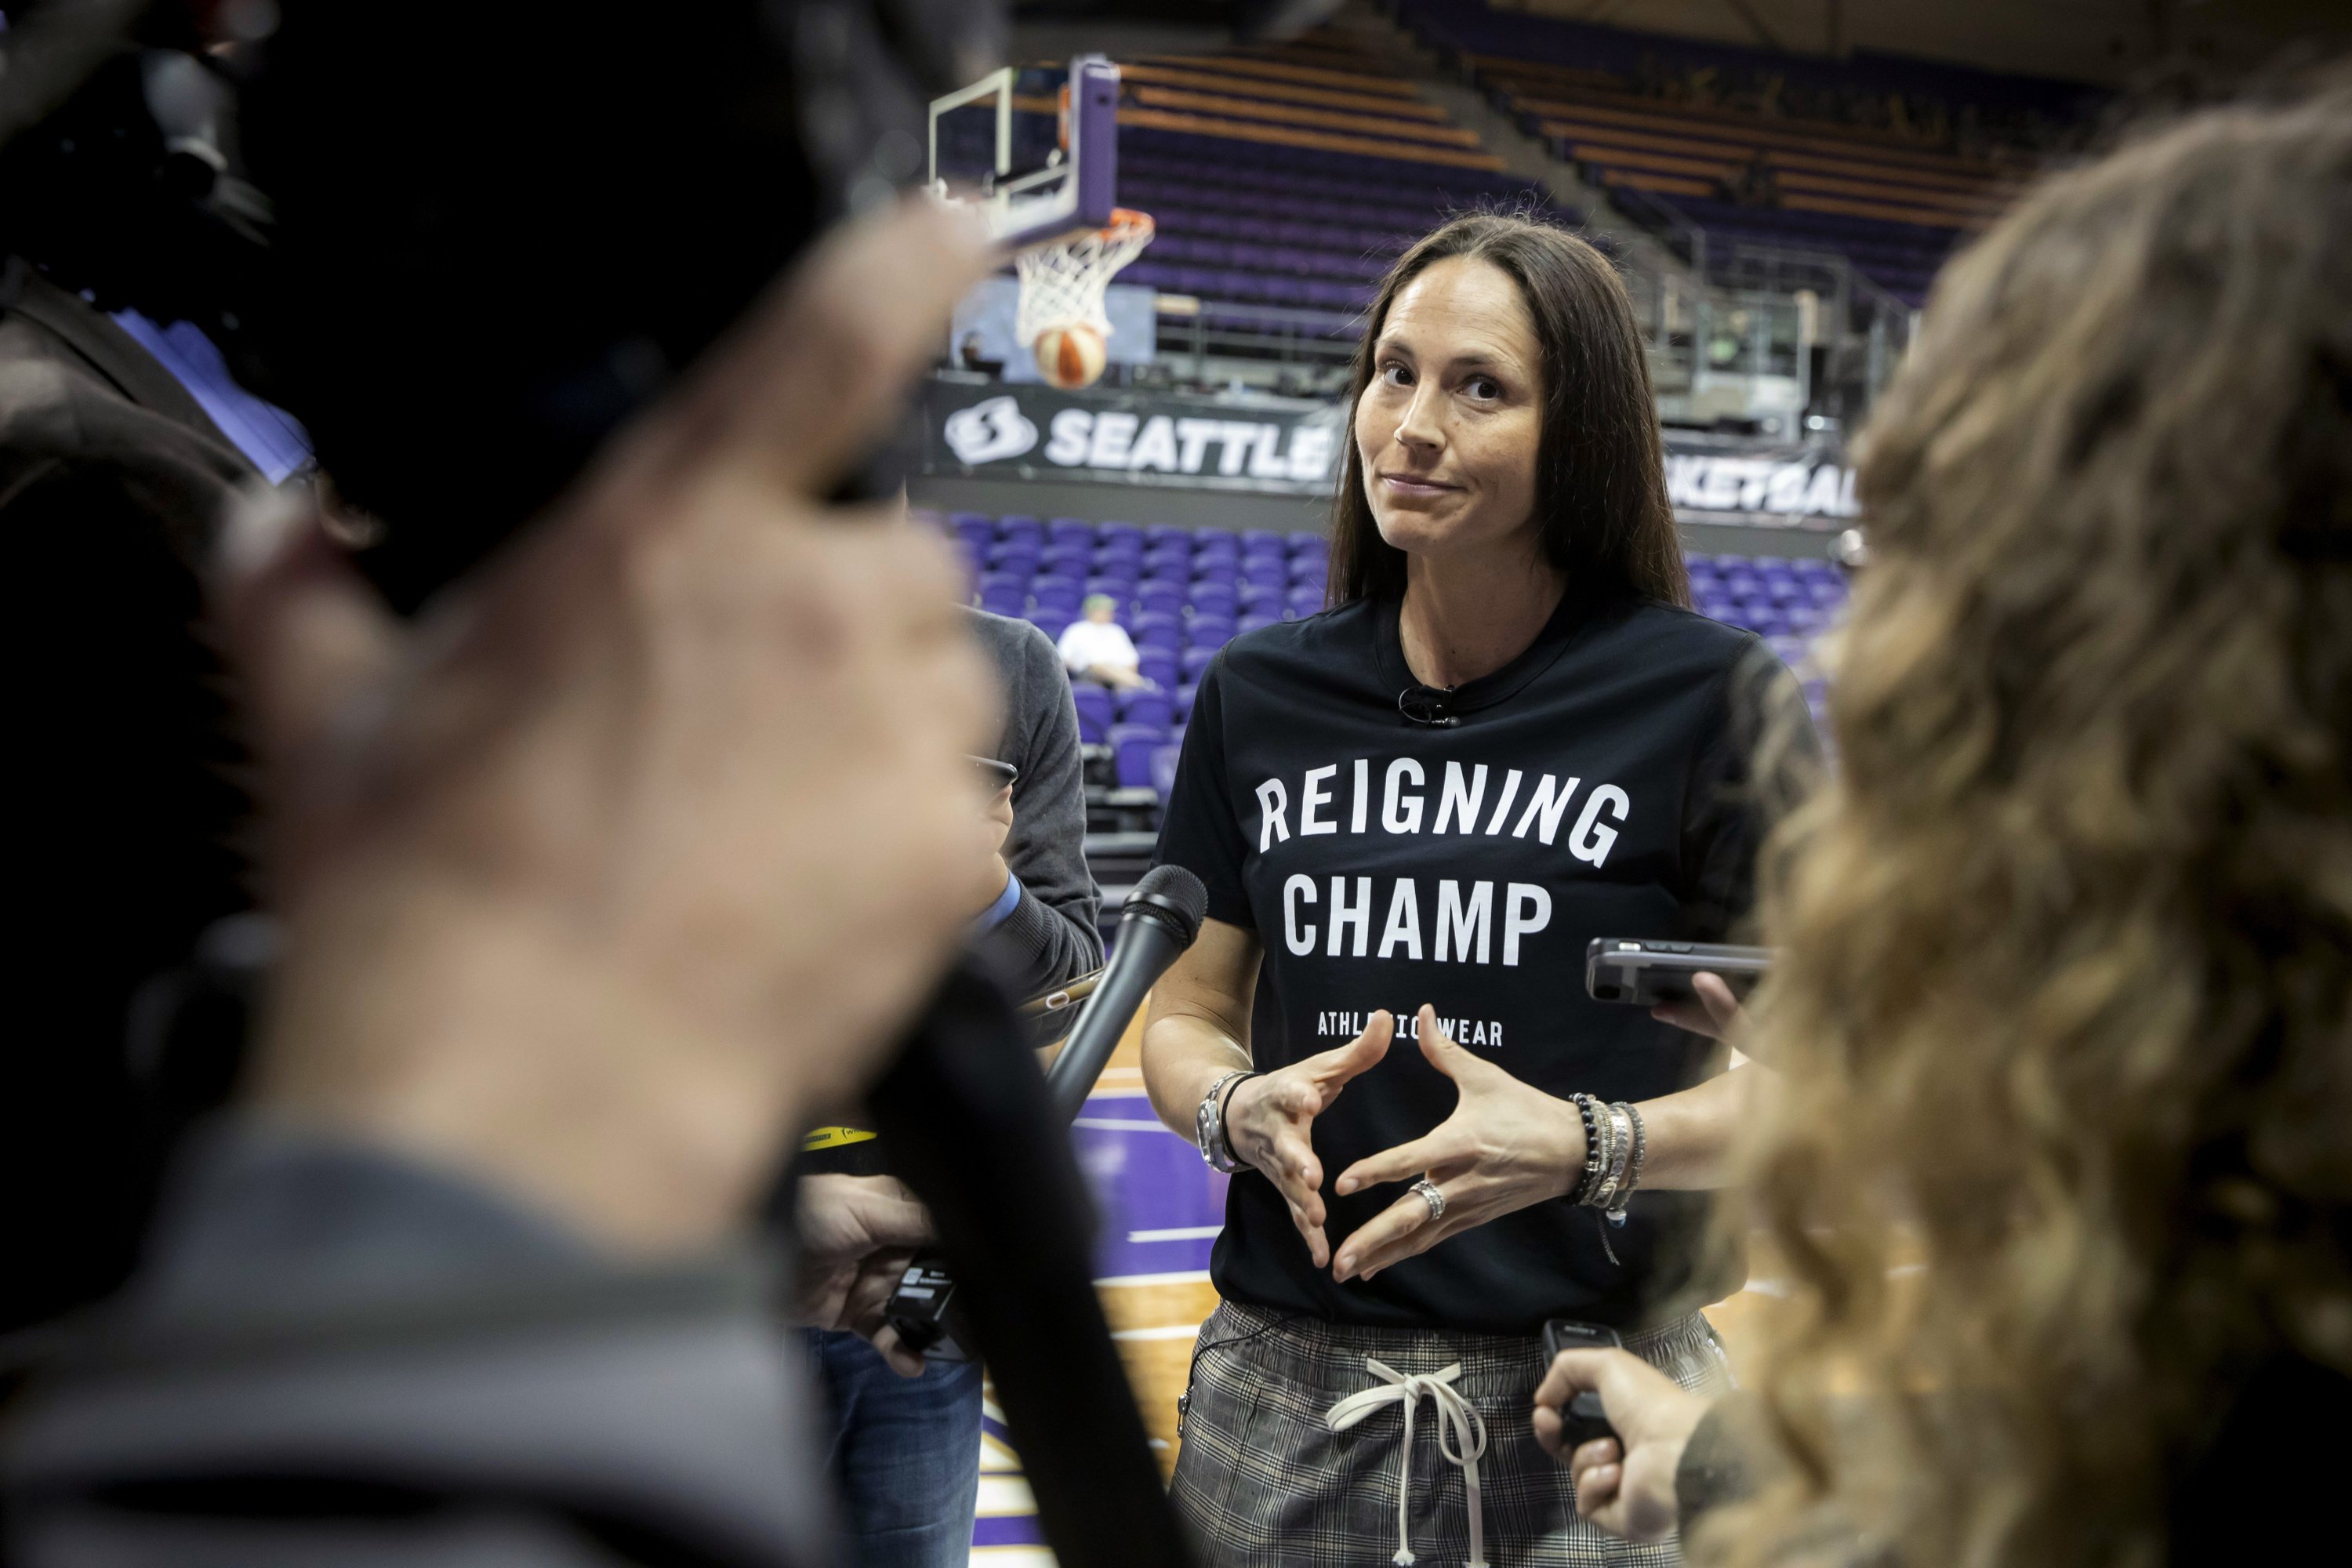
[1096, 647]
[2065, 1009]
[463, 1280]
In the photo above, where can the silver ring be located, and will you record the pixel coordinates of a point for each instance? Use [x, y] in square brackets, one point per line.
[1426, 1190]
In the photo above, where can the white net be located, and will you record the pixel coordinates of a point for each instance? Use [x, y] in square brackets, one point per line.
[1062, 284]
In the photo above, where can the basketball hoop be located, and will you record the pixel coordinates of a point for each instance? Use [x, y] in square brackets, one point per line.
[1062, 283]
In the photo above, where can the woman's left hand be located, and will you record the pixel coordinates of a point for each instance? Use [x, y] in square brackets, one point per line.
[1506, 1146]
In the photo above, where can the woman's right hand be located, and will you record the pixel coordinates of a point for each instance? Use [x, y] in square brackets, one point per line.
[1269, 1120]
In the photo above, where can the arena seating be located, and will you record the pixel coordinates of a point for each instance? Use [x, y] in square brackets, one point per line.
[1184, 592]
[1887, 160]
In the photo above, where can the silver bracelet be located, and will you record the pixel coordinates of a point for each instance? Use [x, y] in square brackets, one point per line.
[1621, 1149]
[1640, 1146]
[1209, 1123]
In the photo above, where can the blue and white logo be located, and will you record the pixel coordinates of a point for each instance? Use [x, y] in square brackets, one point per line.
[989, 432]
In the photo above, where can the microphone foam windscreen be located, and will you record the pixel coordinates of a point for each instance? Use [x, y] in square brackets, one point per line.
[1180, 893]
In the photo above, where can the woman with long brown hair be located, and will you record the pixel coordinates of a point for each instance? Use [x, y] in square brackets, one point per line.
[2066, 1005]
[1507, 737]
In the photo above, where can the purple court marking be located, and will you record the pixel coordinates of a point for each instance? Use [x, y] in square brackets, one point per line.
[1007, 1530]
[1159, 1205]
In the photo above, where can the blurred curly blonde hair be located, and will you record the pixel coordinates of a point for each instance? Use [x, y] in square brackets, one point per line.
[2066, 1009]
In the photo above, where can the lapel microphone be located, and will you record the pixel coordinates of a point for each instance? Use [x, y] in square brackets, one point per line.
[1431, 706]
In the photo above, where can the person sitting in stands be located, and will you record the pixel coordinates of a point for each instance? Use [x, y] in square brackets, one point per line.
[1098, 647]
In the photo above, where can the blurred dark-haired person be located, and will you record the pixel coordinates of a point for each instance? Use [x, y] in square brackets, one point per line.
[1509, 736]
[124, 438]
[2066, 993]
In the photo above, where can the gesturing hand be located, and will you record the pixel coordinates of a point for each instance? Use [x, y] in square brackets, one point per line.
[1268, 1121]
[1628, 1491]
[1506, 1146]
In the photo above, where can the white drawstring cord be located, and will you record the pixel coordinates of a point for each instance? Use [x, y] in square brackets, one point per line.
[1459, 1419]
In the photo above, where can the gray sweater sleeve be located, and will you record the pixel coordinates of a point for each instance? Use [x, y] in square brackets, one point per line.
[1050, 936]
[335, 1355]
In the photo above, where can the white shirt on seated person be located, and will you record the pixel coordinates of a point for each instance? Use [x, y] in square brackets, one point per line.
[1099, 646]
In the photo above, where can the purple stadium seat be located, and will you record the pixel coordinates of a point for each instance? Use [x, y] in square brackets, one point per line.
[1141, 706]
[1216, 538]
[973, 528]
[1159, 597]
[1160, 668]
[1128, 550]
[1160, 533]
[1075, 530]
[1261, 599]
[1260, 574]
[1115, 532]
[1132, 745]
[1053, 623]
[1215, 569]
[1059, 593]
[1303, 602]
[1184, 704]
[1305, 542]
[1093, 706]
[1158, 630]
[1067, 560]
[1216, 600]
[1019, 526]
[1193, 660]
[1120, 587]
[1169, 559]
[1309, 569]
[1208, 631]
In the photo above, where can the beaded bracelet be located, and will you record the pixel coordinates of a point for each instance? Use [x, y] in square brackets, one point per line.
[1586, 1108]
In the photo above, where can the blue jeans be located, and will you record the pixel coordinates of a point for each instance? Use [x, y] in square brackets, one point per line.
[905, 1455]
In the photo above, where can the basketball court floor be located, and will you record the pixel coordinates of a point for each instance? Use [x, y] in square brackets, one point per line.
[1159, 1209]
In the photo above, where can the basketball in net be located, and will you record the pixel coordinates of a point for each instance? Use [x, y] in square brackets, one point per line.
[1061, 315]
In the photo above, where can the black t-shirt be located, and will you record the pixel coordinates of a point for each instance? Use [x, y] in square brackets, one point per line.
[1597, 785]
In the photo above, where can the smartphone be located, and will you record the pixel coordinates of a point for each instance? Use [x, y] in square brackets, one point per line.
[1645, 972]
[1582, 1419]
[1050, 1016]
[1000, 775]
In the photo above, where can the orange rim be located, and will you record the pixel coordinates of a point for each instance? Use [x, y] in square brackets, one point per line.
[1124, 222]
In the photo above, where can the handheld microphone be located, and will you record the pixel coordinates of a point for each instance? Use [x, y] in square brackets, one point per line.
[1162, 917]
